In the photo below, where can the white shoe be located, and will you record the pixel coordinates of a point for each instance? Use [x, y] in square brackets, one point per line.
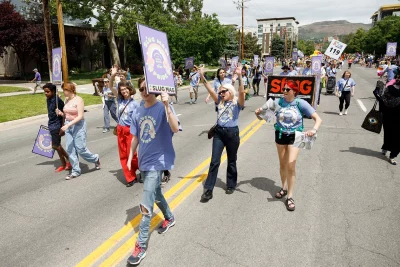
[340, 113]
[345, 112]
[265, 96]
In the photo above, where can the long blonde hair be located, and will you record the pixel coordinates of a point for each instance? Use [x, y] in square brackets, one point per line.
[232, 91]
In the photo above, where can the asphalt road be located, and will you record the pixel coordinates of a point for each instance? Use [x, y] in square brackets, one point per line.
[347, 201]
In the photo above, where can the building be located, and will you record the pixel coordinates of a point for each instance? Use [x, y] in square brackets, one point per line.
[287, 28]
[384, 11]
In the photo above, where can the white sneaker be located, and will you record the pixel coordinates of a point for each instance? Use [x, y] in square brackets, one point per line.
[340, 113]
[345, 112]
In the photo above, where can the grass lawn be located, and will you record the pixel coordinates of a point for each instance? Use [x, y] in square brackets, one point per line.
[23, 106]
[86, 77]
[12, 89]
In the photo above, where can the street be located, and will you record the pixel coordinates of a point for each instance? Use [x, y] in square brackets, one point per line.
[347, 202]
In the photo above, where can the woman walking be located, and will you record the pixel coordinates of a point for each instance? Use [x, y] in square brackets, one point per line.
[75, 131]
[345, 90]
[389, 105]
[109, 106]
[226, 133]
[289, 118]
[126, 108]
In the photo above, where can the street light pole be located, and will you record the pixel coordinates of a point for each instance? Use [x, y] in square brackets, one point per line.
[242, 56]
[62, 41]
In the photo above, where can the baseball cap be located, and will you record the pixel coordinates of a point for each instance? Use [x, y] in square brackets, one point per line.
[106, 80]
[35, 69]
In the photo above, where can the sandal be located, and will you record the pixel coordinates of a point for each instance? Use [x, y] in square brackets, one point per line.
[290, 204]
[281, 193]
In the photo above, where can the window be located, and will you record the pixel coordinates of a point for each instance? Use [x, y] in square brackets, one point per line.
[289, 24]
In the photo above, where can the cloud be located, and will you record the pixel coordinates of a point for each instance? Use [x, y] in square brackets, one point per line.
[306, 12]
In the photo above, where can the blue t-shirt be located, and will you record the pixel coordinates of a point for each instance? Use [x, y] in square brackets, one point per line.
[194, 78]
[107, 91]
[289, 115]
[306, 71]
[128, 76]
[150, 126]
[342, 82]
[230, 116]
[331, 72]
[293, 73]
[126, 118]
[38, 77]
[218, 84]
[284, 73]
[390, 72]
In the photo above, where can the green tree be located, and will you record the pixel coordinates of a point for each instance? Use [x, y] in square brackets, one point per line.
[277, 47]
[231, 47]
[307, 47]
[357, 41]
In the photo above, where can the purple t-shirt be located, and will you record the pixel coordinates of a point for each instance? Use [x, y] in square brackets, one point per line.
[150, 126]
[38, 77]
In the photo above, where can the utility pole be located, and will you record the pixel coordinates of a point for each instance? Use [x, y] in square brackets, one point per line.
[240, 5]
[285, 44]
[48, 34]
[62, 41]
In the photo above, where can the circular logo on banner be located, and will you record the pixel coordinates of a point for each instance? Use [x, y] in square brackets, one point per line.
[391, 48]
[44, 142]
[316, 66]
[157, 61]
[269, 65]
[57, 65]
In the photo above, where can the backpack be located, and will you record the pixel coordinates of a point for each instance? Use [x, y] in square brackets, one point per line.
[300, 128]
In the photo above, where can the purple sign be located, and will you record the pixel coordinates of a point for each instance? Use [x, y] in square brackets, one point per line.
[316, 62]
[295, 56]
[222, 62]
[269, 65]
[234, 64]
[256, 60]
[56, 76]
[157, 61]
[391, 49]
[43, 145]
[189, 62]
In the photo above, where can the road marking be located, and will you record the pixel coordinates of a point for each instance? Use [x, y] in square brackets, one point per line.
[125, 249]
[178, 115]
[360, 103]
[126, 229]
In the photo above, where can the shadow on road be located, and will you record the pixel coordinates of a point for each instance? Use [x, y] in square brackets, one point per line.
[203, 132]
[331, 113]
[119, 174]
[130, 214]
[55, 163]
[365, 152]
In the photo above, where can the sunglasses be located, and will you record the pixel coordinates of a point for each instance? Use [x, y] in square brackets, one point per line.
[141, 89]
[286, 89]
[222, 92]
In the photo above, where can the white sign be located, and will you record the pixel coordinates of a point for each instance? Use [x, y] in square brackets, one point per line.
[335, 49]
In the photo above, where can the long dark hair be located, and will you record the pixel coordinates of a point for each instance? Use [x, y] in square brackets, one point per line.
[128, 85]
[218, 74]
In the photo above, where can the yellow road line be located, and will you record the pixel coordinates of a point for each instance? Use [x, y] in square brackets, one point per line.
[124, 250]
[126, 229]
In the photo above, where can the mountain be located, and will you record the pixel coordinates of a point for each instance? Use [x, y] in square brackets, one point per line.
[322, 29]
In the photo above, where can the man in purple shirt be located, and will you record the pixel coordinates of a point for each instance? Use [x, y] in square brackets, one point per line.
[37, 80]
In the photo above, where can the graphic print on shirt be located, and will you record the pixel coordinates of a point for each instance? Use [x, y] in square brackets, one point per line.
[147, 129]
[289, 117]
[227, 115]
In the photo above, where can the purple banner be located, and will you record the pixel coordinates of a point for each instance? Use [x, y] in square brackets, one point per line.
[56, 75]
[189, 62]
[222, 62]
[391, 49]
[157, 61]
[43, 144]
[256, 60]
[316, 62]
[234, 64]
[295, 56]
[269, 65]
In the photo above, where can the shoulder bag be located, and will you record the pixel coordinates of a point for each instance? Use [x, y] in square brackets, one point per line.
[115, 132]
[211, 132]
[340, 92]
[373, 120]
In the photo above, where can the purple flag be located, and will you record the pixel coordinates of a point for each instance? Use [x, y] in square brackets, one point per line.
[256, 60]
[234, 64]
[295, 56]
[189, 62]
[269, 65]
[43, 144]
[56, 76]
[222, 62]
[316, 62]
[391, 49]
[157, 61]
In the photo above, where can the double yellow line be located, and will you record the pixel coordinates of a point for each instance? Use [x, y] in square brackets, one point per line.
[125, 248]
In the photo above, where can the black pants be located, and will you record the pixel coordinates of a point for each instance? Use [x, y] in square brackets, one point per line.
[256, 83]
[319, 93]
[346, 96]
[224, 137]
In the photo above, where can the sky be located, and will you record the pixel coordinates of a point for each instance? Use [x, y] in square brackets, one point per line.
[305, 12]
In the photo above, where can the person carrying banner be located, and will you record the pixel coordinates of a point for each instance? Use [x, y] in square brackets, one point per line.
[75, 131]
[194, 85]
[289, 112]
[226, 133]
[55, 123]
[126, 109]
[153, 126]
[345, 90]
[109, 106]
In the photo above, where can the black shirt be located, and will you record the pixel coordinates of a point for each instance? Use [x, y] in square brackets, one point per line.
[55, 122]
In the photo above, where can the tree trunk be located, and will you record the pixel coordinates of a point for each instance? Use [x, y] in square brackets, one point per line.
[112, 43]
[49, 38]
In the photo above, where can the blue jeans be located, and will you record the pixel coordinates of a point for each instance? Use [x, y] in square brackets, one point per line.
[109, 107]
[151, 193]
[76, 146]
[224, 137]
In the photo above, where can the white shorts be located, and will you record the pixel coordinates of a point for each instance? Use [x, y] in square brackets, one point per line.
[193, 89]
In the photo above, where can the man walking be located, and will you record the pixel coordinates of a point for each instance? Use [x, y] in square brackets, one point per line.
[37, 80]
